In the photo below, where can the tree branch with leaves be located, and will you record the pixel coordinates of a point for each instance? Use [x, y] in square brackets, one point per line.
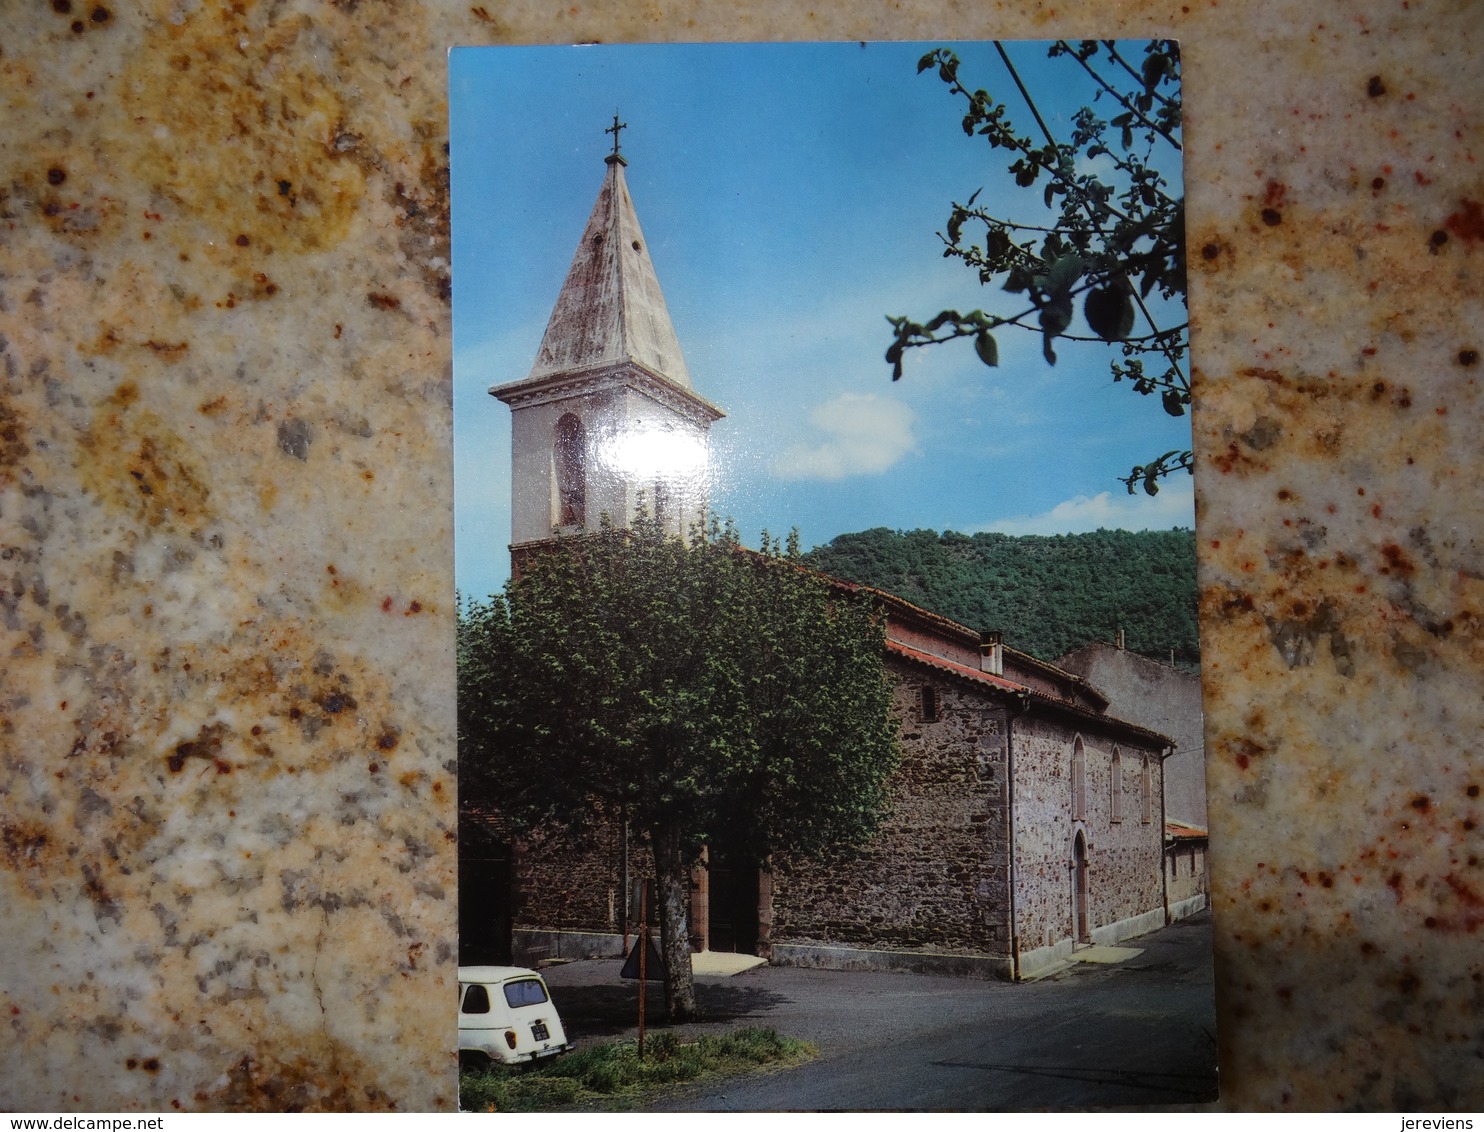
[1113, 242]
[715, 695]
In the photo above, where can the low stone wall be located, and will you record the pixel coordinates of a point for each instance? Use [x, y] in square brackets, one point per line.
[1039, 960]
[1128, 928]
[832, 958]
[1188, 907]
[529, 946]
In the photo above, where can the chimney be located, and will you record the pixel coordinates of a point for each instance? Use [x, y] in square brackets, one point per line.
[1118, 639]
[992, 652]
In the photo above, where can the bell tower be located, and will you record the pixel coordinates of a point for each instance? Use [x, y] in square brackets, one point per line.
[607, 415]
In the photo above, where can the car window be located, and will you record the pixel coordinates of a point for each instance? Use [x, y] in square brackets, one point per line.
[525, 992]
[476, 1000]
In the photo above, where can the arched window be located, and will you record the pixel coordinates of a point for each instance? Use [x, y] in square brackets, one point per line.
[570, 451]
[662, 503]
[1079, 781]
[929, 703]
[1115, 810]
[1146, 790]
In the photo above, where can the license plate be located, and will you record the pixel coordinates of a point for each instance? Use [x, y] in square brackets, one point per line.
[540, 1032]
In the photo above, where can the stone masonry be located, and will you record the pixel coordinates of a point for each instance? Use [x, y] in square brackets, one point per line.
[934, 878]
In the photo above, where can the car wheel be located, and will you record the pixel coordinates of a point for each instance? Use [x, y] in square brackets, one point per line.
[474, 1059]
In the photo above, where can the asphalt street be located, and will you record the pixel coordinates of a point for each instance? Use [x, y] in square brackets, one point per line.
[1138, 1033]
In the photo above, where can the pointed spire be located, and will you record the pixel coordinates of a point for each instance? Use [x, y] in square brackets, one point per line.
[611, 308]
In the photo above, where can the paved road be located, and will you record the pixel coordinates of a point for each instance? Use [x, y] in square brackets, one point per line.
[1138, 1033]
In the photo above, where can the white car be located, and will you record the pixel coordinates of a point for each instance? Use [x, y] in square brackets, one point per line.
[506, 1014]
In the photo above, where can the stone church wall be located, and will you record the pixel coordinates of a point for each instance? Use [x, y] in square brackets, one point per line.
[1044, 830]
[934, 878]
[931, 891]
[1126, 889]
[568, 895]
[1124, 857]
[1164, 699]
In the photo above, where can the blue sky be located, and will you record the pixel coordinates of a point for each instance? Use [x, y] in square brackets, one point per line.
[790, 196]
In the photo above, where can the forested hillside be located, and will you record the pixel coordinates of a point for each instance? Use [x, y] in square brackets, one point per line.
[1049, 594]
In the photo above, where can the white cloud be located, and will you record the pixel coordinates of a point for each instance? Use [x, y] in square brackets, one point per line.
[1103, 167]
[854, 434]
[1174, 506]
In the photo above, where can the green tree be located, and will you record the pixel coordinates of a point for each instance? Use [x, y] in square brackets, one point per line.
[1109, 242]
[718, 695]
[1049, 594]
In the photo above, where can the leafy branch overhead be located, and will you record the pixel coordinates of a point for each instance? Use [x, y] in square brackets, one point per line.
[1109, 238]
[708, 694]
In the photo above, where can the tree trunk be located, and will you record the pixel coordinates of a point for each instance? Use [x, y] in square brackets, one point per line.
[672, 872]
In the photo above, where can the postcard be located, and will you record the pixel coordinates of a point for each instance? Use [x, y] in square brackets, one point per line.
[829, 679]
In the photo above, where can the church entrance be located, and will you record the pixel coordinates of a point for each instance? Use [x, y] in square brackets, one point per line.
[1081, 934]
[485, 913]
[732, 905]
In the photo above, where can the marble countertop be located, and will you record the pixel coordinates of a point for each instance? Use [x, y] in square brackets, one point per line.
[226, 594]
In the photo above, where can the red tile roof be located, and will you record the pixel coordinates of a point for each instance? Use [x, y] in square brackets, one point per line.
[908, 612]
[1179, 831]
[1034, 697]
[963, 670]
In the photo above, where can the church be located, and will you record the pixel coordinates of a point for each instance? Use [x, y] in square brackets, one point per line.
[1026, 819]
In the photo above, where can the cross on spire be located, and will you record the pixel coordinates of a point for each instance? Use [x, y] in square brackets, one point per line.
[615, 158]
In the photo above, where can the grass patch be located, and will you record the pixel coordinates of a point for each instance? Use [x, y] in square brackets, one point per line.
[600, 1076]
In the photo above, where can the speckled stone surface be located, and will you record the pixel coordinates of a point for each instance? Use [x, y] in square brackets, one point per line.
[226, 721]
